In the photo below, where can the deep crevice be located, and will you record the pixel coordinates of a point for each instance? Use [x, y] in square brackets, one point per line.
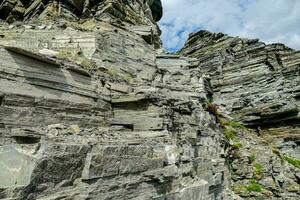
[270, 66]
[26, 140]
[1, 99]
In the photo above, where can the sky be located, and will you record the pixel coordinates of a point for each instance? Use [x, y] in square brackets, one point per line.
[272, 21]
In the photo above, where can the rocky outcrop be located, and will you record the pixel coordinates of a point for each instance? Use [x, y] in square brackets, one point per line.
[131, 11]
[90, 108]
[138, 15]
[90, 111]
[258, 85]
[65, 134]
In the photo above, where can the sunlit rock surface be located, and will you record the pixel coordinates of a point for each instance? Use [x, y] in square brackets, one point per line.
[92, 108]
[258, 85]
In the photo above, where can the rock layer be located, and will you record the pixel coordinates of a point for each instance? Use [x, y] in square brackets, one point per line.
[135, 15]
[131, 11]
[91, 110]
[77, 139]
[258, 85]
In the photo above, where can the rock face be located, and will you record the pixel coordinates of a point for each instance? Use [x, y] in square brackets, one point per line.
[65, 134]
[90, 110]
[258, 85]
[137, 14]
[132, 11]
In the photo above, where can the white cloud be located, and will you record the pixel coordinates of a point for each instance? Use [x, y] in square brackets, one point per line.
[272, 21]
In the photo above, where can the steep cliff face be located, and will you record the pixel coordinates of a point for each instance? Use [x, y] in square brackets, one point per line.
[89, 108]
[137, 12]
[138, 15]
[90, 111]
[258, 85]
[65, 134]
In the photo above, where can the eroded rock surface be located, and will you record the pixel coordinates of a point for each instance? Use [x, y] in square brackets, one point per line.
[76, 137]
[91, 108]
[258, 85]
[132, 11]
[90, 111]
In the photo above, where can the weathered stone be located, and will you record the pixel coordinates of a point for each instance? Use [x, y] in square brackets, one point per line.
[74, 129]
[88, 110]
[16, 166]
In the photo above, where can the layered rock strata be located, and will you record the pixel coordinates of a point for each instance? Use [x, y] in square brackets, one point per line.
[89, 111]
[258, 85]
[137, 15]
[67, 135]
[91, 108]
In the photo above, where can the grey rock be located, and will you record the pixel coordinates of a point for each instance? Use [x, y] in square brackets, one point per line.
[88, 110]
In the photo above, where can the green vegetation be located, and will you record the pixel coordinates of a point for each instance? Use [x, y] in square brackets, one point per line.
[292, 161]
[252, 158]
[254, 187]
[87, 63]
[115, 73]
[230, 128]
[238, 189]
[236, 146]
[230, 134]
[234, 124]
[258, 168]
[65, 54]
[128, 78]
[74, 55]
[112, 71]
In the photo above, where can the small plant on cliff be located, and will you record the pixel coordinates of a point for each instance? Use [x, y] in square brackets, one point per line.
[234, 124]
[238, 189]
[65, 54]
[236, 146]
[252, 158]
[258, 169]
[292, 161]
[128, 78]
[88, 64]
[277, 153]
[112, 71]
[230, 134]
[254, 187]
[213, 109]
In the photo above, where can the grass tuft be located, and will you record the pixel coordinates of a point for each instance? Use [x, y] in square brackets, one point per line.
[234, 124]
[87, 63]
[292, 161]
[128, 78]
[254, 187]
[112, 71]
[252, 158]
[236, 146]
[230, 134]
[258, 168]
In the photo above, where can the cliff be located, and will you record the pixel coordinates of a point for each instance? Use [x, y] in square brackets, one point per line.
[90, 108]
[258, 85]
